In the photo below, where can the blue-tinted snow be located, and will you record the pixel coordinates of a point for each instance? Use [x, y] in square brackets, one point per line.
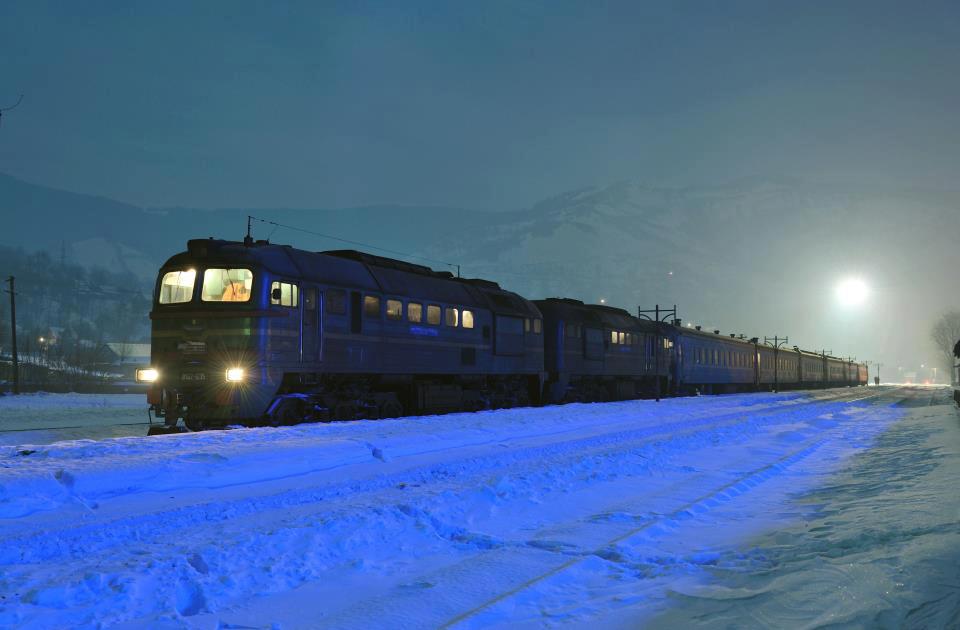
[763, 510]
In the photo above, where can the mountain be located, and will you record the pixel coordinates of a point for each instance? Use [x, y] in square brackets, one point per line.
[97, 231]
[757, 256]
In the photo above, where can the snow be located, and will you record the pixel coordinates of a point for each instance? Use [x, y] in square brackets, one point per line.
[42, 418]
[791, 509]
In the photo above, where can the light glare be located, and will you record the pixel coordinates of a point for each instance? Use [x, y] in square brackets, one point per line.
[148, 375]
[235, 375]
[852, 292]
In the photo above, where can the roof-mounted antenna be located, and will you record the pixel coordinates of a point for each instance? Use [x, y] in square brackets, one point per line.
[248, 240]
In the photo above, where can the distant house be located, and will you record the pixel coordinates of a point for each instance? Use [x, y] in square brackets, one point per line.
[127, 356]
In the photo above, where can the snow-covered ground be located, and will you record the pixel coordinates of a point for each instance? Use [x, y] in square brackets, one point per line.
[776, 510]
[44, 418]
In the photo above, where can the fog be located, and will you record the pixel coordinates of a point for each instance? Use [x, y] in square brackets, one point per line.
[737, 159]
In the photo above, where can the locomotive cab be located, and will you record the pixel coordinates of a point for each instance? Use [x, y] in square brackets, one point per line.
[211, 319]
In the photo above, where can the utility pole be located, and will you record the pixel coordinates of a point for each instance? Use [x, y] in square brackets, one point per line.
[658, 317]
[13, 338]
[777, 342]
[823, 357]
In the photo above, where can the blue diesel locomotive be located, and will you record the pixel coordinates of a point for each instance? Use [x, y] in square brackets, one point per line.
[256, 333]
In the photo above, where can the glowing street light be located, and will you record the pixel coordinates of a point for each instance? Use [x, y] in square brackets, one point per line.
[852, 292]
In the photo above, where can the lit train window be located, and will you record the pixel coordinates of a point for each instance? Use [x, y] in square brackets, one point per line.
[336, 302]
[371, 306]
[452, 317]
[176, 287]
[526, 325]
[537, 326]
[226, 285]
[621, 338]
[467, 319]
[415, 312]
[288, 294]
[394, 310]
[613, 336]
[433, 314]
[627, 339]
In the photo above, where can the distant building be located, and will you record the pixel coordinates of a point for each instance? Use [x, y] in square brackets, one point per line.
[129, 353]
[127, 356]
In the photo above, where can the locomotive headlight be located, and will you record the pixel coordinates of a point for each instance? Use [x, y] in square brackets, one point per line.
[147, 375]
[235, 375]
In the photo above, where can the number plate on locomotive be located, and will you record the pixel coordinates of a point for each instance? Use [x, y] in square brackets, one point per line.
[192, 347]
[193, 376]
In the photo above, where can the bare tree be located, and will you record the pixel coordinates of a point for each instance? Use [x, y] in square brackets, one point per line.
[945, 335]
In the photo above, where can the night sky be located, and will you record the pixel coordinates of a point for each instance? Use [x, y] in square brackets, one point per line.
[491, 105]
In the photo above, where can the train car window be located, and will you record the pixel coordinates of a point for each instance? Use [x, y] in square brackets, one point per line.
[176, 287]
[226, 285]
[394, 310]
[571, 330]
[628, 339]
[433, 314]
[452, 317]
[526, 325]
[467, 319]
[613, 336]
[621, 337]
[284, 294]
[537, 326]
[415, 312]
[371, 306]
[336, 302]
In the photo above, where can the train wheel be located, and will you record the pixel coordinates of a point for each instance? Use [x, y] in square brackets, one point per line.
[289, 411]
[391, 409]
[344, 411]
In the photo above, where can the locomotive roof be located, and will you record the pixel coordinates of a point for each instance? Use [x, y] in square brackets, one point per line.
[596, 314]
[357, 270]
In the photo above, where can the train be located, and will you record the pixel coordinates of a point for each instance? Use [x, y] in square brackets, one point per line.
[253, 333]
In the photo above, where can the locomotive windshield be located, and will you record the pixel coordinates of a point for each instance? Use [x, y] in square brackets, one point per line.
[227, 285]
[177, 286]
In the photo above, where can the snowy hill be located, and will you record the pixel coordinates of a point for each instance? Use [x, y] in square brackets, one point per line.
[754, 256]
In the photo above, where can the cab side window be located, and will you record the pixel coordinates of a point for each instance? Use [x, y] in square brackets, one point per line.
[371, 306]
[284, 294]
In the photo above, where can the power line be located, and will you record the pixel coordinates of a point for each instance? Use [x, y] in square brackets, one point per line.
[350, 242]
[7, 109]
